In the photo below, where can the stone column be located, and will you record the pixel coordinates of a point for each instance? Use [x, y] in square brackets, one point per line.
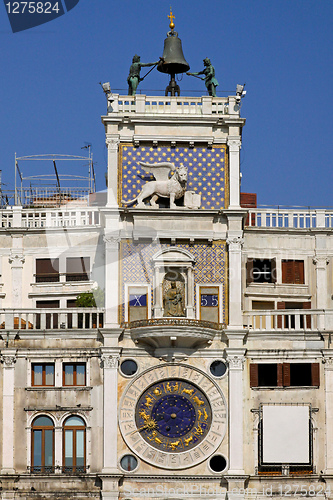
[111, 280]
[234, 145]
[8, 383]
[329, 414]
[236, 359]
[112, 143]
[235, 282]
[110, 360]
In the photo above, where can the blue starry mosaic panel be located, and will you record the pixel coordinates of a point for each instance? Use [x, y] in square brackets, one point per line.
[206, 171]
[136, 260]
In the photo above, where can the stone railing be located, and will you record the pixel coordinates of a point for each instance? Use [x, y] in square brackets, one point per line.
[51, 319]
[47, 217]
[289, 320]
[204, 105]
[290, 218]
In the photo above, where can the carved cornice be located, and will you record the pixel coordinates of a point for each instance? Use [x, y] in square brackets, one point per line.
[110, 361]
[8, 361]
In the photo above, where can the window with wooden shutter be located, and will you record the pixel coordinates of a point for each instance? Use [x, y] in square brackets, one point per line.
[293, 271]
[315, 374]
[254, 375]
[77, 268]
[286, 374]
[47, 270]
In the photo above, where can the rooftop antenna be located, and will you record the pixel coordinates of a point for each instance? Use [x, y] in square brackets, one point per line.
[17, 171]
[91, 166]
[58, 181]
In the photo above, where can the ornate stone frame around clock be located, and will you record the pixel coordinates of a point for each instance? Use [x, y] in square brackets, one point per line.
[161, 459]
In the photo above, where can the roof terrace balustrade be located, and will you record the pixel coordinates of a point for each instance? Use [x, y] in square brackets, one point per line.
[297, 218]
[51, 319]
[289, 320]
[154, 105]
[49, 218]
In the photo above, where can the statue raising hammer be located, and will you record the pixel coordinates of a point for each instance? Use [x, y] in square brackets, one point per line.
[134, 79]
[210, 80]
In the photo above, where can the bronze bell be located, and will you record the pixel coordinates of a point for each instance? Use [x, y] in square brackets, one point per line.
[173, 61]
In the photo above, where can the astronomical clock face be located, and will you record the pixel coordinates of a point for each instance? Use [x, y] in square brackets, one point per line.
[173, 421]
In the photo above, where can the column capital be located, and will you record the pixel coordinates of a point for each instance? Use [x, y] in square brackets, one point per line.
[112, 241]
[235, 242]
[8, 360]
[110, 361]
[320, 261]
[236, 358]
[112, 142]
[16, 259]
[328, 362]
[234, 144]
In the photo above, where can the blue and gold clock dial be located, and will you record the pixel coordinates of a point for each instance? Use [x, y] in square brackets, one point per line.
[173, 415]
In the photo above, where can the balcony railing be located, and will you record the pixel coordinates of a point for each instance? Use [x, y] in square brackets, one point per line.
[173, 322]
[61, 277]
[289, 320]
[290, 218]
[47, 217]
[51, 319]
[204, 105]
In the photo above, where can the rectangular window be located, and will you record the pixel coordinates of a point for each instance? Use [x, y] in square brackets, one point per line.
[209, 303]
[47, 270]
[42, 374]
[293, 271]
[74, 374]
[77, 269]
[137, 303]
[284, 375]
[261, 271]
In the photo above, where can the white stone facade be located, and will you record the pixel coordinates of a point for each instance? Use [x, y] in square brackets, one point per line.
[240, 344]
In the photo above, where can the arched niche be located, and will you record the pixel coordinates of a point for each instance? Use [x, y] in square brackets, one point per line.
[173, 282]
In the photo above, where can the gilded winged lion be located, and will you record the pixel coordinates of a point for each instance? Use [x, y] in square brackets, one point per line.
[173, 188]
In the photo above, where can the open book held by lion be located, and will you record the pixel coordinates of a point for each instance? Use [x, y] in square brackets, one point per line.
[172, 188]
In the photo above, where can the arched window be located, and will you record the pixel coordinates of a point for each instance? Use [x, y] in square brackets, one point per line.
[74, 448]
[42, 446]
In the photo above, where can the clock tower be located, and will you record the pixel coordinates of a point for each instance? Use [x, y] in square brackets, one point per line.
[173, 356]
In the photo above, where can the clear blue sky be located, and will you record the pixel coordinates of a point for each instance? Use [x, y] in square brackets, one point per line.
[51, 101]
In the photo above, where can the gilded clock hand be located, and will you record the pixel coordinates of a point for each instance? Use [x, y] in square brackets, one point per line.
[150, 424]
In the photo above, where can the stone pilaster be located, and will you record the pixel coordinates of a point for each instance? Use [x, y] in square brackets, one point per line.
[329, 414]
[112, 143]
[16, 261]
[109, 363]
[8, 376]
[234, 145]
[236, 359]
[235, 282]
[112, 242]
